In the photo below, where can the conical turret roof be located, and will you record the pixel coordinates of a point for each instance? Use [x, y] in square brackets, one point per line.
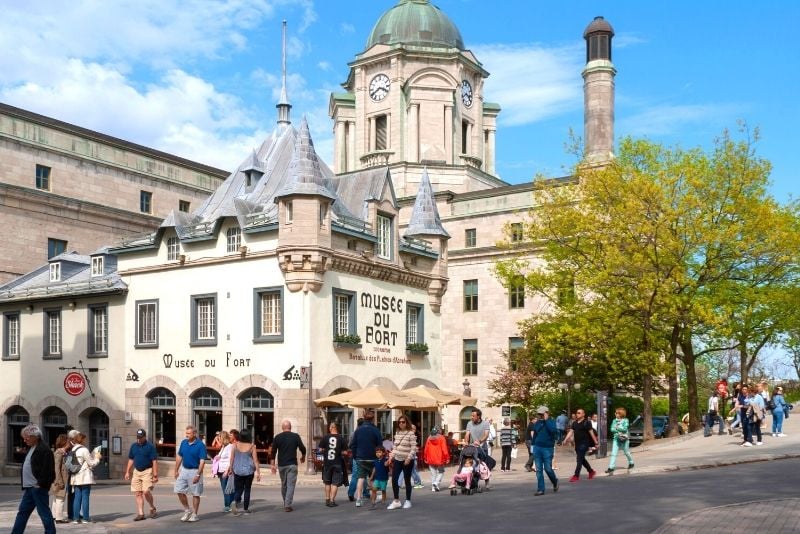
[425, 219]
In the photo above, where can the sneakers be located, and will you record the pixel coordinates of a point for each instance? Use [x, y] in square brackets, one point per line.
[609, 471]
[747, 444]
[555, 487]
[394, 505]
[419, 486]
[226, 509]
[234, 508]
[538, 493]
[406, 505]
[574, 478]
[185, 517]
[781, 435]
[358, 503]
[592, 474]
[759, 442]
[630, 466]
[193, 518]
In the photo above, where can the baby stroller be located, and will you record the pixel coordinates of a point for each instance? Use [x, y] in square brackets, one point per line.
[480, 471]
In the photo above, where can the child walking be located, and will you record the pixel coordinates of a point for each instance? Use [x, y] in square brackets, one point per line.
[379, 477]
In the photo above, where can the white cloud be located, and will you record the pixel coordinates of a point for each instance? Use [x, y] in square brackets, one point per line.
[668, 119]
[346, 28]
[531, 82]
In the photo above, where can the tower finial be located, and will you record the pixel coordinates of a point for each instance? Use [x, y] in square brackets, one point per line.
[283, 104]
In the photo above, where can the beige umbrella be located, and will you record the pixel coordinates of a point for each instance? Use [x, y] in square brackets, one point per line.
[378, 397]
[441, 397]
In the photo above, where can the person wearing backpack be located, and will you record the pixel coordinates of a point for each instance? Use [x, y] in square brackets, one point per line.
[244, 464]
[81, 479]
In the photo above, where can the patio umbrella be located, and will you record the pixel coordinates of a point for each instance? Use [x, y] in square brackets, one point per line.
[378, 397]
[441, 397]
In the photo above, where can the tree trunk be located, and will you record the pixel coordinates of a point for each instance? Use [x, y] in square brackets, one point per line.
[647, 409]
[672, 376]
[744, 369]
[691, 386]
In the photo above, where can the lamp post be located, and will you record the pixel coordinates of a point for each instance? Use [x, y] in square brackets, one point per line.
[467, 389]
[568, 385]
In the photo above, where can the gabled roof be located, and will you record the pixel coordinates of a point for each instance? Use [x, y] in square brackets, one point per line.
[425, 219]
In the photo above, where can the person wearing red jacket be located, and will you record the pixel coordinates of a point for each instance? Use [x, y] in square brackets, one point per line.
[436, 454]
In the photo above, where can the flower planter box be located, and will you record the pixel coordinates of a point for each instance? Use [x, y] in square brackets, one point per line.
[343, 345]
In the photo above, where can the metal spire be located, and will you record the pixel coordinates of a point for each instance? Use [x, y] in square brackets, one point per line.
[283, 104]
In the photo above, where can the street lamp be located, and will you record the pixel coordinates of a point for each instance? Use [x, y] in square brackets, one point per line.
[568, 385]
[467, 389]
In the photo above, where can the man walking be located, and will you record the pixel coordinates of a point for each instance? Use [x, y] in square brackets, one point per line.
[562, 421]
[544, 441]
[284, 451]
[711, 415]
[478, 431]
[584, 437]
[38, 474]
[366, 439]
[529, 443]
[189, 463]
[142, 471]
[331, 447]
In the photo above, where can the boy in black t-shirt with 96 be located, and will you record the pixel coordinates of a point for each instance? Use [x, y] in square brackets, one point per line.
[380, 476]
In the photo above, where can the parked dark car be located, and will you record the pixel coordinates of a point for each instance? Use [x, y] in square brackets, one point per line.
[660, 428]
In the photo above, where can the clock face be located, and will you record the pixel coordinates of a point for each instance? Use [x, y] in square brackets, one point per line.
[466, 93]
[379, 87]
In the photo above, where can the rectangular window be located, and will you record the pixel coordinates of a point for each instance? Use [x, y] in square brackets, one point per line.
[98, 330]
[289, 212]
[344, 312]
[233, 239]
[98, 266]
[384, 237]
[11, 336]
[516, 232]
[470, 357]
[323, 214]
[515, 346]
[55, 247]
[268, 314]
[470, 295]
[516, 295]
[470, 238]
[566, 292]
[173, 248]
[43, 177]
[415, 332]
[146, 324]
[464, 137]
[184, 205]
[52, 333]
[381, 133]
[55, 271]
[145, 201]
[204, 320]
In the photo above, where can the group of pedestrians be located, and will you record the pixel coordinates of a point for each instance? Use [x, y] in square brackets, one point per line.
[751, 405]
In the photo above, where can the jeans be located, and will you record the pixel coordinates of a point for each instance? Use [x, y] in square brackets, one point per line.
[580, 457]
[80, 507]
[777, 421]
[227, 498]
[746, 426]
[626, 448]
[437, 472]
[529, 463]
[38, 499]
[755, 427]
[243, 483]
[505, 460]
[351, 487]
[399, 466]
[415, 474]
[288, 475]
[543, 456]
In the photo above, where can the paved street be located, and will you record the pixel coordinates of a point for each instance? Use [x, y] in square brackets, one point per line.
[689, 484]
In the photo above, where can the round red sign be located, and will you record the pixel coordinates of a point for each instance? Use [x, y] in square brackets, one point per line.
[74, 384]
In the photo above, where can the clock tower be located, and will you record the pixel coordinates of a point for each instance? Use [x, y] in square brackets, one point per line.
[413, 100]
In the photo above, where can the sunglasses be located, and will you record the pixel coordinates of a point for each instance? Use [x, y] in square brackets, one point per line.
[402, 422]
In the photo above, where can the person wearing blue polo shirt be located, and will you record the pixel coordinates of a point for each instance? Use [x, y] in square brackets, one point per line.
[189, 463]
[142, 471]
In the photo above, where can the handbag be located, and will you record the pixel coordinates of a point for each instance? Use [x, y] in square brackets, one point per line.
[230, 486]
[514, 452]
[622, 438]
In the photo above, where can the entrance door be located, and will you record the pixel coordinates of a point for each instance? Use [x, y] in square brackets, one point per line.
[98, 436]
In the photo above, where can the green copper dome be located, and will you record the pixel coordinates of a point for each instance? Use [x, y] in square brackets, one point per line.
[416, 22]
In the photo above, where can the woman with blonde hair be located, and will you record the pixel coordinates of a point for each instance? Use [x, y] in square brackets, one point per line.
[58, 489]
[82, 481]
[220, 464]
[620, 439]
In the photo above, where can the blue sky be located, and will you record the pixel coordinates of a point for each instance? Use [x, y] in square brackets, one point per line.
[200, 78]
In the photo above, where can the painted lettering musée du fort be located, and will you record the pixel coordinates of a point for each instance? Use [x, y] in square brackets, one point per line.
[379, 333]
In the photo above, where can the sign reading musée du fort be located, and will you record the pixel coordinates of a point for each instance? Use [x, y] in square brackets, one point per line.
[384, 316]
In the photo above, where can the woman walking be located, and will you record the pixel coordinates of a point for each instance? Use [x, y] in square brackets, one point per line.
[619, 439]
[506, 444]
[778, 412]
[82, 481]
[244, 465]
[403, 453]
[222, 461]
[59, 487]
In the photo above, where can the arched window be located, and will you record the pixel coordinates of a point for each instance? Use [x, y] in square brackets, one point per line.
[257, 408]
[16, 419]
[162, 422]
[464, 417]
[54, 422]
[207, 414]
[342, 416]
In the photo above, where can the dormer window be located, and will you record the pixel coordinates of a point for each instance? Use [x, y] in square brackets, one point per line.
[55, 272]
[233, 239]
[98, 266]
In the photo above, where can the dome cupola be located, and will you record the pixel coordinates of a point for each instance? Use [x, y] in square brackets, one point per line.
[416, 22]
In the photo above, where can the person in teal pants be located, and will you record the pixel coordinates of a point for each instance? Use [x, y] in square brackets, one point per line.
[619, 439]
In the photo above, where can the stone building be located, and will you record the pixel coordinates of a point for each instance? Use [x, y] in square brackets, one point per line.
[216, 315]
[65, 188]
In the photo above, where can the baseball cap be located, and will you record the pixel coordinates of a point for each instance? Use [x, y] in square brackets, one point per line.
[542, 409]
[141, 433]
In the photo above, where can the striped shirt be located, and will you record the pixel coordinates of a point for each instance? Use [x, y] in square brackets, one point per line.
[405, 445]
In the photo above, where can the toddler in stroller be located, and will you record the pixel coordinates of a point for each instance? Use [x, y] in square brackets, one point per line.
[471, 469]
